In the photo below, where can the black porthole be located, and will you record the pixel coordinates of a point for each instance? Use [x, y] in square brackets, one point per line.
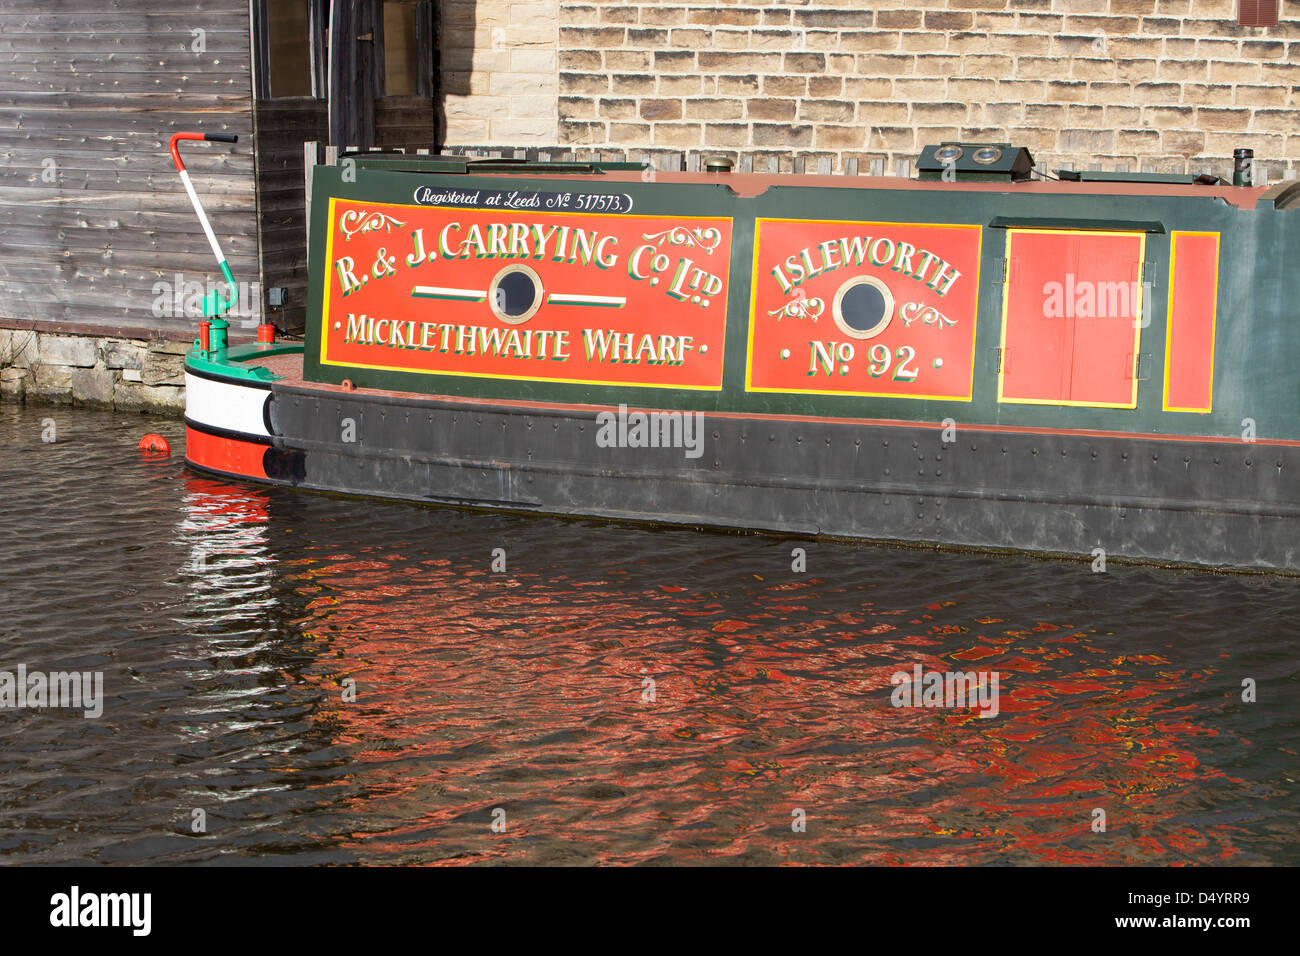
[515, 294]
[863, 307]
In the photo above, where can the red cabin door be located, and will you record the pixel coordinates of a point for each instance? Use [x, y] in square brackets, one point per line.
[1071, 318]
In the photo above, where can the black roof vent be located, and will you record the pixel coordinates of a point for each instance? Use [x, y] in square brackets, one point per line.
[1097, 176]
[975, 162]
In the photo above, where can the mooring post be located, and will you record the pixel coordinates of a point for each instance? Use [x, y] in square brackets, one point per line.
[310, 156]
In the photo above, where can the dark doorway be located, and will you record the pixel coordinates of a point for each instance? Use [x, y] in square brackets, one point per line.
[355, 74]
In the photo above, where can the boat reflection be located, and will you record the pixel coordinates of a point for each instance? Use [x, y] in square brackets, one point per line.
[230, 565]
[619, 722]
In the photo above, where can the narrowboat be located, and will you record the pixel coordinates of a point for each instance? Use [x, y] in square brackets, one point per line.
[982, 356]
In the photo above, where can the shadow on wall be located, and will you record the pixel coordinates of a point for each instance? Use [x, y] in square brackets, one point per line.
[456, 43]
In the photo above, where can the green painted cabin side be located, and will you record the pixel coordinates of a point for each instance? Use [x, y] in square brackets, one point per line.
[1255, 353]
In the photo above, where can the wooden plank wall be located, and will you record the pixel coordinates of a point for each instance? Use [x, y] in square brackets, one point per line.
[355, 73]
[405, 122]
[283, 125]
[94, 89]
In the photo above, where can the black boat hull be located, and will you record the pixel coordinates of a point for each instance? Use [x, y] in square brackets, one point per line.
[1161, 499]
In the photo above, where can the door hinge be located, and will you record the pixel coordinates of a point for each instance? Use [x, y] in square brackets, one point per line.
[1142, 367]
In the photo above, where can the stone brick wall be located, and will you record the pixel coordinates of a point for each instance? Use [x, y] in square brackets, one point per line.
[1170, 85]
[87, 370]
[500, 71]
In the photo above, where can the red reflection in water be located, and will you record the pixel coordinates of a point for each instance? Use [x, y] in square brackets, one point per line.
[215, 505]
[478, 691]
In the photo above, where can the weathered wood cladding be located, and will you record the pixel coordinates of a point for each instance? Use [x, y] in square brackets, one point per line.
[92, 213]
[93, 217]
[355, 73]
[404, 122]
[360, 118]
[282, 126]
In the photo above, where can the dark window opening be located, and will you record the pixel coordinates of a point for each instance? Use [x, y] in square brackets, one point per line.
[289, 52]
[402, 60]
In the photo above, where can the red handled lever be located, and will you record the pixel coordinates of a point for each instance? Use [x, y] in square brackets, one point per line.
[209, 137]
[214, 305]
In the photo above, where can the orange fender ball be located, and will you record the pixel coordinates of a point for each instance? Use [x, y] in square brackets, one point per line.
[155, 444]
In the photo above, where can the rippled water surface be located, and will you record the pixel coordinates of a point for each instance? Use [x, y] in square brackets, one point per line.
[342, 681]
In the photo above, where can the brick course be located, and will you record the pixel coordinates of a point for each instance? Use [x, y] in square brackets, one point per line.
[1172, 85]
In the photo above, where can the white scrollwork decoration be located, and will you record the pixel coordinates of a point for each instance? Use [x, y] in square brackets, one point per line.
[927, 315]
[800, 307]
[707, 239]
[353, 222]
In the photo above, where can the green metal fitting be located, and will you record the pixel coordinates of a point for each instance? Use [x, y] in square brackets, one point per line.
[214, 303]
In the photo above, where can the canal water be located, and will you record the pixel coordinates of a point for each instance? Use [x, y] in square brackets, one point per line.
[295, 678]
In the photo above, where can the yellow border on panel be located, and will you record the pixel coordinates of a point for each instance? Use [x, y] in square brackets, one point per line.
[1169, 320]
[1137, 319]
[325, 307]
[753, 311]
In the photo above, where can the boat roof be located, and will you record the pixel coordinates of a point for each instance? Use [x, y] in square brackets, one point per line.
[749, 185]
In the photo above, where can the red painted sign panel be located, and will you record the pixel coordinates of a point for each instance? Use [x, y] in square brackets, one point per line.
[1193, 302]
[527, 294]
[864, 308]
[1071, 318]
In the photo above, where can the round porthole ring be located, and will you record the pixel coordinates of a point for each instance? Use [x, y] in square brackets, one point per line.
[987, 155]
[538, 294]
[838, 315]
[948, 154]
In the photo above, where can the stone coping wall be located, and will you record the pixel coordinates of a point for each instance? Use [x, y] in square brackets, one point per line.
[98, 371]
